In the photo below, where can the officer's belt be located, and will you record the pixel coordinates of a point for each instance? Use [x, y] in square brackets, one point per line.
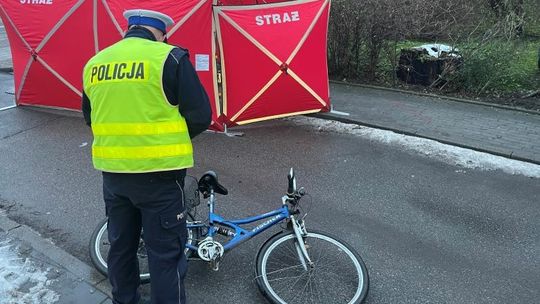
[175, 174]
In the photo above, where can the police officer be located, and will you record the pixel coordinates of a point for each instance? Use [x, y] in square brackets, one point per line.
[144, 102]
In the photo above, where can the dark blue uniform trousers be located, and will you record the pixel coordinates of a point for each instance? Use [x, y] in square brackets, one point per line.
[156, 203]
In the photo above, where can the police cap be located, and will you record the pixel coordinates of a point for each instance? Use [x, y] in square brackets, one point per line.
[154, 19]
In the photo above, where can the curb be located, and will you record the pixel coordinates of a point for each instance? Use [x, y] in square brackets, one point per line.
[463, 100]
[60, 257]
[327, 116]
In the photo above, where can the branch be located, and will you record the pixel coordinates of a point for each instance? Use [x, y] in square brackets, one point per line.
[533, 94]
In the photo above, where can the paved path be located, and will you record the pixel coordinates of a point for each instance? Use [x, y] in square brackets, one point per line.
[504, 132]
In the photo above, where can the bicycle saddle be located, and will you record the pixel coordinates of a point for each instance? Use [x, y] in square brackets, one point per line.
[209, 181]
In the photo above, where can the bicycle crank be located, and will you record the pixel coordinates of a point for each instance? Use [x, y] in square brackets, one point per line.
[211, 251]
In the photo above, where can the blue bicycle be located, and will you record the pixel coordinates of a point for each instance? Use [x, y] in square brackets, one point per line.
[295, 265]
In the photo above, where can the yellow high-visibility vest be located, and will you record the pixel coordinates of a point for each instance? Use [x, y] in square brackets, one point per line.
[135, 128]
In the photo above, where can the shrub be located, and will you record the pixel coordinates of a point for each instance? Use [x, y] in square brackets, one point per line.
[365, 38]
[494, 68]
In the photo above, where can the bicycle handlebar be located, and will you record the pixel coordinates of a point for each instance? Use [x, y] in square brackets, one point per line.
[292, 183]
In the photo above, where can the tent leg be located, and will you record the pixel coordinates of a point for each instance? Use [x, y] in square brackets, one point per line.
[332, 111]
[7, 108]
[227, 132]
[232, 134]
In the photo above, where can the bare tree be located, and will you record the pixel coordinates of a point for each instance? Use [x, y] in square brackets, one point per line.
[364, 32]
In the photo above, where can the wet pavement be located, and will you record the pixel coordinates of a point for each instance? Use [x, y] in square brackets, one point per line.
[7, 90]
[429, 232]
[5, 53]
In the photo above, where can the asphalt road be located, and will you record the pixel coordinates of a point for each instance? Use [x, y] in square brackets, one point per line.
[429, 232]
[7, 90]
[5, 53]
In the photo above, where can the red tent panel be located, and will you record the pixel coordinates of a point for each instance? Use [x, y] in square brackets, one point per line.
[266, 102]
[35, 21]
[52, 42]
[268, 74]
[46, 86]
[273, 56]
[278, 27]
[106, 27]
[192, 30]
[30, 29]
[68, 59]
[248, 2]
[315, 47]
[243, 79]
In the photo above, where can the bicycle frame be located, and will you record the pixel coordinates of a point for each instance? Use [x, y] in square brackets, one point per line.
[240, 234]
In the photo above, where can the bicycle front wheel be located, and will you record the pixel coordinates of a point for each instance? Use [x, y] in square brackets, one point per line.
[338, 274]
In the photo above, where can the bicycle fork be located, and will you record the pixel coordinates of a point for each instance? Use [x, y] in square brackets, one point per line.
[300, 231]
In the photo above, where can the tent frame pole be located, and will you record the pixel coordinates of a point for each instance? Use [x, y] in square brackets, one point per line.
[231, 133]
[332, 111]
[8, 107]
[226, 132]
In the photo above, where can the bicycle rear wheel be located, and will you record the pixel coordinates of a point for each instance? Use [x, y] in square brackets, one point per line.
[99, 250]
[338, 275]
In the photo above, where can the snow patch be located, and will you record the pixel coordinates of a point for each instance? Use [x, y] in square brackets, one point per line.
[21, 280]
[465, 158]
[439, 50]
